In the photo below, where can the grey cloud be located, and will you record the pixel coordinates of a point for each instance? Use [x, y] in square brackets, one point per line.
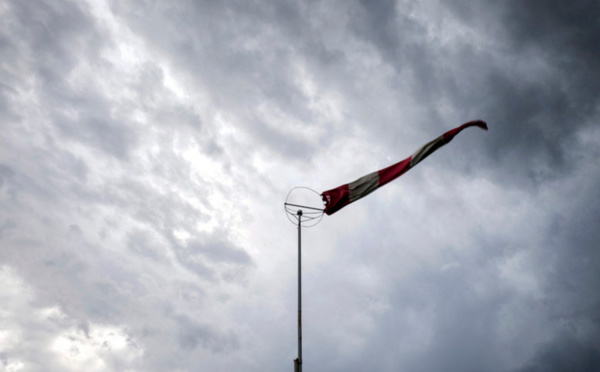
[141, 242]
[207, 43]
[436, 321]
[108, 134]
[49, 35]
[214, 253]
[221, 251]
[52, 30]
[6, 173]
[195, 263]
[193, 334]
[6, 111]
[6, 225]
[467, 314]
[44, 180]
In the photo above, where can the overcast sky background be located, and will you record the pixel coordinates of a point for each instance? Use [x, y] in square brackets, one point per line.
[147, 147]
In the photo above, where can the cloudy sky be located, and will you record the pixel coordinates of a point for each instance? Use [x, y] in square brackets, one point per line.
[147, 147]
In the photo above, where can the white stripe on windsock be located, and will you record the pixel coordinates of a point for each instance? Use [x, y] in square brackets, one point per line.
[426, 150]
[363, 186]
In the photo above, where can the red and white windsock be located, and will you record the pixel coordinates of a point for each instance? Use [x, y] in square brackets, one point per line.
[341, 196]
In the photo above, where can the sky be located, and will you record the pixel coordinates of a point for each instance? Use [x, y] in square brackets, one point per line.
[147, 148]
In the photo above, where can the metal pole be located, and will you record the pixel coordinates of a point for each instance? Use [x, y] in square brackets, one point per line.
[298, 361]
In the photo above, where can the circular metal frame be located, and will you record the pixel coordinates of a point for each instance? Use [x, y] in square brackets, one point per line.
[307, 216]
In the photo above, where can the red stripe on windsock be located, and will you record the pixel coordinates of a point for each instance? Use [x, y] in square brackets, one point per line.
[394, 171]
[449, 135]
[341, 196]
[336, 199]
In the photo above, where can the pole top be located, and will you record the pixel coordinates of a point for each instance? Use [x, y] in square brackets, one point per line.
[304, 206]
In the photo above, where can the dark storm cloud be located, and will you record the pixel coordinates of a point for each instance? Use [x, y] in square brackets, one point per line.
[105, 216]
[538, 113]
[536, 89]
[572, 288]
[399, 38]
[437, 320]
[566, 354]
[460, 312]
[565, 36]
[541, 116]
[567, 32]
